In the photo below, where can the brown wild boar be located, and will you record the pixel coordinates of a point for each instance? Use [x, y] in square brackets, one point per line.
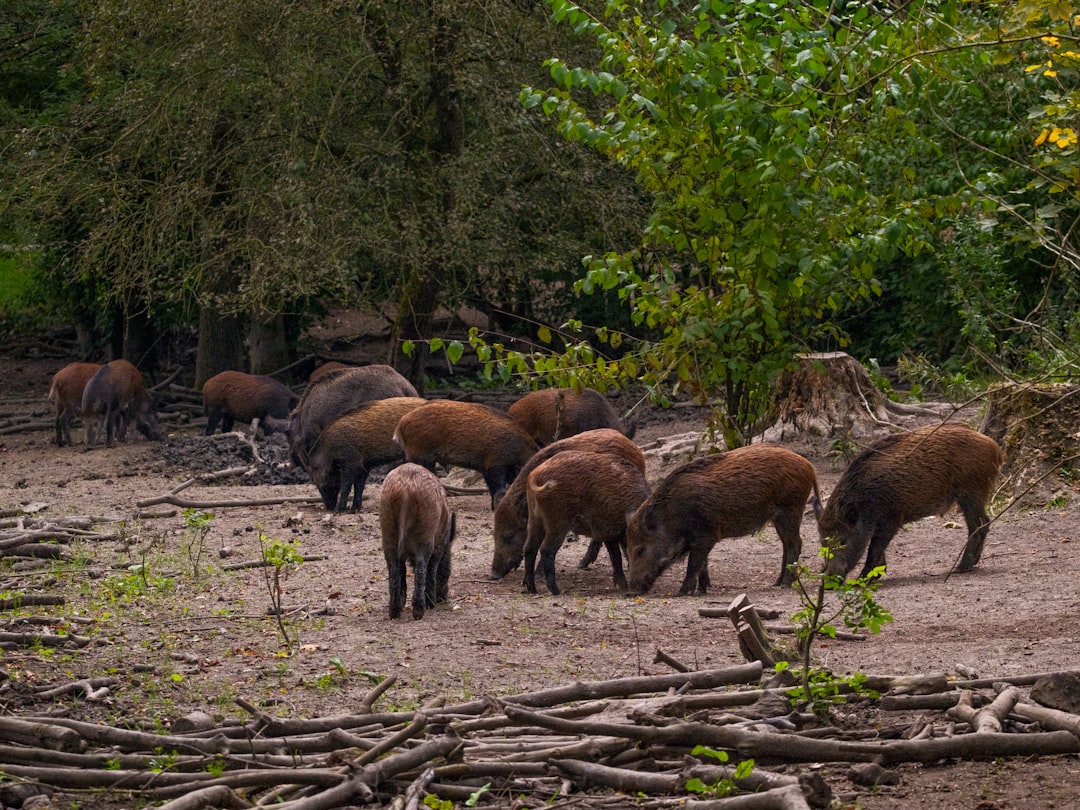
[334, 394]
[512, 513]
[235, 396]
[113, 397]
[466, 434]
[726, 495]
[905, 477]
[66, 393]
[417, 527]
[350, 446]
[555, 413]
[587, 493]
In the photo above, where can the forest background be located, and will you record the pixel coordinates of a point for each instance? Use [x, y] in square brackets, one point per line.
[682, 194]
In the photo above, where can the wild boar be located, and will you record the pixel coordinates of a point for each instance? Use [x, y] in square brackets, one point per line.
[555, 413]
[512, 512]
[588, 493]
[325, 368]
[726, 495]
[334, 394]
[113, 397]
[350, 446]
[905, 477]
[417, 527]
[469, 435]
[66, 393]
[234, 395]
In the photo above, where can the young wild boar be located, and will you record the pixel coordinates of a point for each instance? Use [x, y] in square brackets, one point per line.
[235, 396]
[334, 394]
[512, 512]
[555, 413]
[418, 527]
[66, 393]
[727, 495]
[113, 397]
[587, 493]
[467, 435]
[352, 445]
[905, 477]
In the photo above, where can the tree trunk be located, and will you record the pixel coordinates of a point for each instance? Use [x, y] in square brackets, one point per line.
[221, 345]
[268, 350]
[424, 287]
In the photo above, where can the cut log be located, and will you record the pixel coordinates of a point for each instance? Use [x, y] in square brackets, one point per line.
[826, 395]
[1038, 428]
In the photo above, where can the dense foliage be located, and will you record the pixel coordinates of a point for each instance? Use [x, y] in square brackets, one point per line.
[746, 180]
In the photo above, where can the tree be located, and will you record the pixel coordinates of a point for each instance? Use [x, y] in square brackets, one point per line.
[240, 159]
[744, 121]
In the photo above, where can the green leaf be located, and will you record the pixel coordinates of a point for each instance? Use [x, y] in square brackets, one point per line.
[454, 351]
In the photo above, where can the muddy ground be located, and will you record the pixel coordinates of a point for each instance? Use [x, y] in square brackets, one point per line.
[186, 634]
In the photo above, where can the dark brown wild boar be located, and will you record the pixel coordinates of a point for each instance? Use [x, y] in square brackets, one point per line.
[469, 435]
[417, 527]
[905, 477]
[334, 394]
[235, 396]
[350, 446]
[512, 512]
[66, 393]
[113, 397]
[587, 493]
[726, 495]
[555, 413]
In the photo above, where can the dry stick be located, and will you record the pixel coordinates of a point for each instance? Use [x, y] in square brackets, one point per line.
[587, 775]
[414, 729]
[989, 718]
[30, 599]
[1053, 719]
[801, 749]
[218, 796]
[44, 639]
[377, 692]
[785, 798]
[662, 657]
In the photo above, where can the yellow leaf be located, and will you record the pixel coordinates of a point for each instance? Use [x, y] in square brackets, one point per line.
[1053, 42]
[1041, 138]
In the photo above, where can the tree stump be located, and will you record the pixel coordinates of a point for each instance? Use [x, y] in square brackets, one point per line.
[827, 395]
[1038, 428]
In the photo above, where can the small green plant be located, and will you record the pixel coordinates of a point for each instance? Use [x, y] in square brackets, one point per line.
[722, 787]
[197, 526]
[435, 803]
[474, 797]
[279, 558]
[827, 599]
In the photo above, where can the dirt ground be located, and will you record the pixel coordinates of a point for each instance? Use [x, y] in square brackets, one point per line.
[185, 634]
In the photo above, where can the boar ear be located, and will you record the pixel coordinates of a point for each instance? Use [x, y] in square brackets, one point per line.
[850, 514]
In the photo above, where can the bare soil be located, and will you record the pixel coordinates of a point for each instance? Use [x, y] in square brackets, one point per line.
[185, 634]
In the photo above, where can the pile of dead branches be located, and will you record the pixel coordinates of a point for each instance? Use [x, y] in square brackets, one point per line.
[594, 744]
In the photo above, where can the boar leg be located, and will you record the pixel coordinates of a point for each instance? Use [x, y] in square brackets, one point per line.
[787, 526]
[213, 416]
[420, 584]
[442, 578]
[548, 551]
[697, 570]
[395, 568]
[875, 557]
[978, 526]
[614, 550]
[591, 553]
